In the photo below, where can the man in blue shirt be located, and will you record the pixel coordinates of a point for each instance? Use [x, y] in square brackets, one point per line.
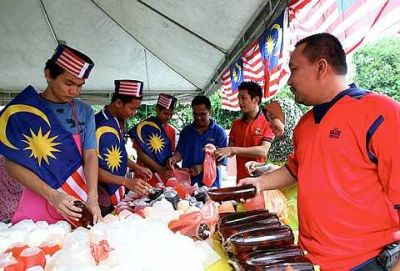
[194, 137]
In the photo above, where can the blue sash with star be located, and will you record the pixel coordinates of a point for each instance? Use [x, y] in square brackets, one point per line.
[152, 139]
[32, 136]
[111, 148]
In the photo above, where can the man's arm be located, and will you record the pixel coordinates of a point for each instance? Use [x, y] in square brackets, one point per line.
[148, 161]
[277, 179]
[62, 202]
[139, 169]
[90, 168]
[250, 152]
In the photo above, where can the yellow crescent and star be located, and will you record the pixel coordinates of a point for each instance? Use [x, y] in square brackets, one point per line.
[41, 145]
[113, 155]
[270, 42]
[155, 141]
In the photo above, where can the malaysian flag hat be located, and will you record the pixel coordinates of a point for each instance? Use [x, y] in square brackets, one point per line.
[72, 61]
[129, 87]
[166, 101]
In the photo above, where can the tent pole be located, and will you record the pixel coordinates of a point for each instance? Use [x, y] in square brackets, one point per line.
[46, 16]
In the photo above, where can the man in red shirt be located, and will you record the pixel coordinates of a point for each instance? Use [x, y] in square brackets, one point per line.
[154, 139]
[345, 161]
[250, 137]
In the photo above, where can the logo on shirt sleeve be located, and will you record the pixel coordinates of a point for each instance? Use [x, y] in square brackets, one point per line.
[334, 133]
[257, 131]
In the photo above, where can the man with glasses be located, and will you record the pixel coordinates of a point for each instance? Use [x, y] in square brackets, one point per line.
[194, 137]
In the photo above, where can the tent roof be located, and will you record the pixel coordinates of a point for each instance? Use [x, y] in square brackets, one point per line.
[174, 46]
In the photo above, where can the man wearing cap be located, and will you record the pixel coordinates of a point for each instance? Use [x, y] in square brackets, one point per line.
[113, 158]
[49, 142]
[250, 137]
[154, 138]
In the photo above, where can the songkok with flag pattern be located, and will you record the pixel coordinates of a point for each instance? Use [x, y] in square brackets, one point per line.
[166, 101]
[72, 61]
[129, 87]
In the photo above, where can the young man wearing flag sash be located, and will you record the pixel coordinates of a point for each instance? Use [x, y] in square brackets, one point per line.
[113, 158]
[154, 139]
[49, 143]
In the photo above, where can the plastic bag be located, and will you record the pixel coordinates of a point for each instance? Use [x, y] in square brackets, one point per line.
[275, 201]
[209, 165]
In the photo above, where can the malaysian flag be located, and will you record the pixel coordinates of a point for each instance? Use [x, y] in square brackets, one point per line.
[33, 137]
[351, 21]
[263, 62]
[231, 79]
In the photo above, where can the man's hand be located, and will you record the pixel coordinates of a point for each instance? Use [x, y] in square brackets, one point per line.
[64, 205]
[170, 164]
[253, 181]
[167, 173]
[224, 152]
[251, 168]
[195, 170]
[144, 171]
[93, 205]
[138, 185]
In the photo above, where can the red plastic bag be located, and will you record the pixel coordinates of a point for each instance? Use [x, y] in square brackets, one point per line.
[187, 224]
[210, 215]
[209, 165]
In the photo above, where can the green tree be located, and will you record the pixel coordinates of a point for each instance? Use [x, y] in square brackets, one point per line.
[378, 67]
[223, 117]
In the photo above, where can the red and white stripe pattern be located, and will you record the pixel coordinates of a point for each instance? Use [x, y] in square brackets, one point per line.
[351, 22]
[76, 185]
[130, 87]
[255, 69]
[164, 100]
[118, 195]
[229, 99]
[72, 63]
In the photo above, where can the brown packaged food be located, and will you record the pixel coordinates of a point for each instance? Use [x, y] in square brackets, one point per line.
[247, 219]
[262, 257]
[227, 232]
[292, 263]
[238, 193]
[260, 239]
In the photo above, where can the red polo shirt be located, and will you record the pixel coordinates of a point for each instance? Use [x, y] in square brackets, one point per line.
[249, 133]
[347, 164]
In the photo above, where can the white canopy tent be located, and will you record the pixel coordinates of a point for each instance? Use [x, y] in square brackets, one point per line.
[175, 46]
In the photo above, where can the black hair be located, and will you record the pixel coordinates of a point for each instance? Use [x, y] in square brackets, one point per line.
[53, 68]
[328, 47]
[124, 98]
[253, 89]
[201, 99]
